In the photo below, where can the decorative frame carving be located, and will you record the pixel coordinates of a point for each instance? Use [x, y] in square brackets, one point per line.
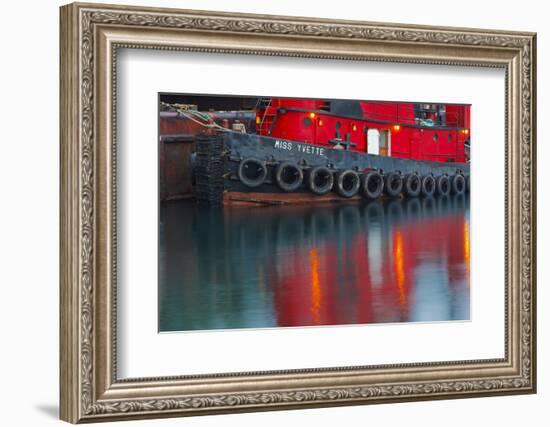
[90, 36]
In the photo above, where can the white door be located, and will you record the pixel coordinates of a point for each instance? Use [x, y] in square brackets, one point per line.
[373, 141]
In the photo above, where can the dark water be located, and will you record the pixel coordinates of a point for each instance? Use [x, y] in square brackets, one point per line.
[327, 264]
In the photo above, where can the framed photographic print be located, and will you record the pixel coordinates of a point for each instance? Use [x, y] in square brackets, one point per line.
[267, 212]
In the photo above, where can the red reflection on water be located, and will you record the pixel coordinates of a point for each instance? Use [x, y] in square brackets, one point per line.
[357, 263]
[332, 282]
[315, 287]
[398, 266]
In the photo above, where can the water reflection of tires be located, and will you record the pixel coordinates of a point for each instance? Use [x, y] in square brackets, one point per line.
[374, 212]
[348, 218]
[459, 202]
[443, 205]
[322, 224]
[413, 208]
[394, 211]
[290, 230]
[428, 206]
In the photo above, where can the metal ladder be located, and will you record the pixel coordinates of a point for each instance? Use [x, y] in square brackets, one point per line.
[265, 123]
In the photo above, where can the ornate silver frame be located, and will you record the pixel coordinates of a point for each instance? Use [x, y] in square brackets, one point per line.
[90, 36]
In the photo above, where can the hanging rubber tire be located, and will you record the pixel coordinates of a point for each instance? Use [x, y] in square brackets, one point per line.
[320, 180]
[393, 184]
[288, 176]
[458, 184]
[347, 183]
[468, 183]
[412, 185]
[442, 185]
[252, 172]
[372, 185]
[427, 186]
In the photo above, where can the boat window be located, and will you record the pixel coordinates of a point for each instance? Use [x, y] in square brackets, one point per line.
[307, 121]
[435, 136]
[450, 137]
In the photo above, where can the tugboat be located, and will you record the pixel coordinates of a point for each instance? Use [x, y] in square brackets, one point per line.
[304, 150]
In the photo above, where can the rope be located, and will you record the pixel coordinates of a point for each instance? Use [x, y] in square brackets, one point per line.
[193, 114]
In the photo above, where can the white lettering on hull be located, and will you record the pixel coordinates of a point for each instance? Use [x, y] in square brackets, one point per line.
[301, 148]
